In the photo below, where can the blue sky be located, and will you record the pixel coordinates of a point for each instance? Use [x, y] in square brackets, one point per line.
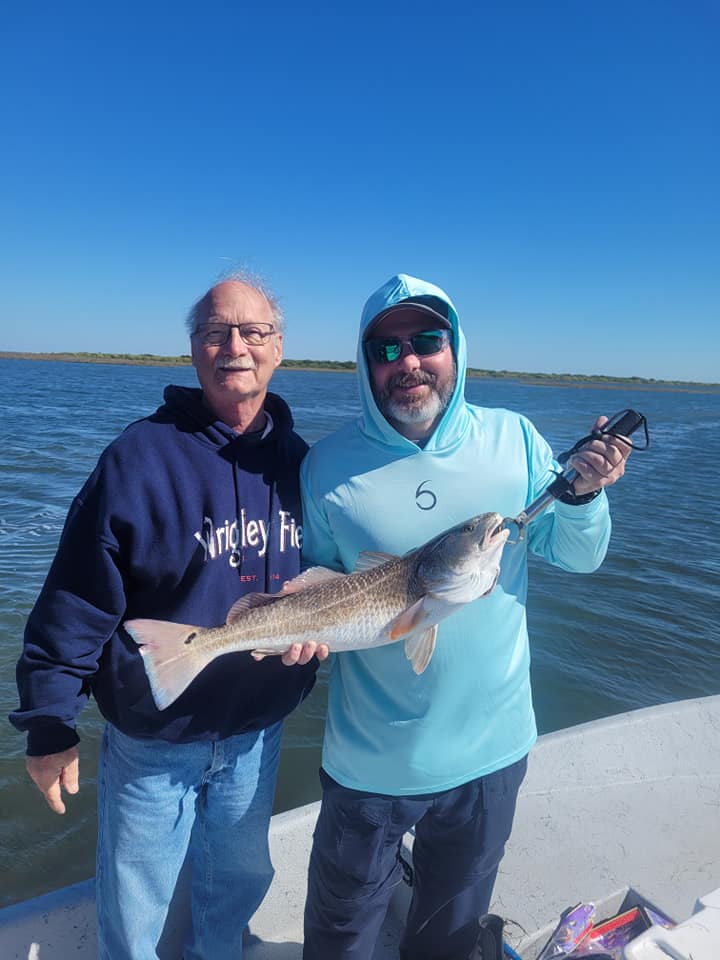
[552, 165]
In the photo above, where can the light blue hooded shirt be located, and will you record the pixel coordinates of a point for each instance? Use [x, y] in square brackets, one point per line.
[366, 487]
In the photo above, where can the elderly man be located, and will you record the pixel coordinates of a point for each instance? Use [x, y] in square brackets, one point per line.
[445, 751]
[182, 515]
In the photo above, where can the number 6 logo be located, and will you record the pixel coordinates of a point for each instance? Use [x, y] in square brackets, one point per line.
[428, 496]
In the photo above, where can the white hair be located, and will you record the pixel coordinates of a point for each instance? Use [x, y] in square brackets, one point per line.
[196, 313]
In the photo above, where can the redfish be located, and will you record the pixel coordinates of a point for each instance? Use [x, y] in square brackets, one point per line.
[384, 600]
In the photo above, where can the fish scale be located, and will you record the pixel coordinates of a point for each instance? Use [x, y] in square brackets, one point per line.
[343, 612]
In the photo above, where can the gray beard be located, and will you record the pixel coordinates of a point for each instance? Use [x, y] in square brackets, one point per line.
[418, 411]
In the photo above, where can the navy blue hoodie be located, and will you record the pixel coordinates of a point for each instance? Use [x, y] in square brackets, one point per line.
[180, 517]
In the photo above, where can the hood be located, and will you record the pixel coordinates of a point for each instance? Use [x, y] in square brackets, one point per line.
[184, 406]
[455, 420]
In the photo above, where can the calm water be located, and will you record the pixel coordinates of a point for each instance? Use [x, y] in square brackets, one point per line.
[642, 630]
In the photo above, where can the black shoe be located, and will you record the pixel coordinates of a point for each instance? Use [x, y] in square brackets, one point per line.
[489, 944]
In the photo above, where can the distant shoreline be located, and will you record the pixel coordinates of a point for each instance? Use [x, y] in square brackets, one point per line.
[348, 366]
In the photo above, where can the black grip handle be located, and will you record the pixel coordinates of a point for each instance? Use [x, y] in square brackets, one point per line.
[627, 423]
[622, 424]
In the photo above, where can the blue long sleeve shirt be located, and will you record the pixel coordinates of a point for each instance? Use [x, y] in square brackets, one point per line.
[367, 487]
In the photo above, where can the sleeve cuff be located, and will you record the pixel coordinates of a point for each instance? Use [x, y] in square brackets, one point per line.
[51, 739]
[582, 509]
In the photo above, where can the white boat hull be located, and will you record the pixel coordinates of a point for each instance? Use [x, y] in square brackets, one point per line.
[631, 802]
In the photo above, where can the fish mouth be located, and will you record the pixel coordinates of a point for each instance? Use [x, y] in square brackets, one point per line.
[496, 534]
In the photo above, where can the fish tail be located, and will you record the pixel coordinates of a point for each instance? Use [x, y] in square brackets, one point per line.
[171, 659]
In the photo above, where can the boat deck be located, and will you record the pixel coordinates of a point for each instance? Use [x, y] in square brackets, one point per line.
[631, 802]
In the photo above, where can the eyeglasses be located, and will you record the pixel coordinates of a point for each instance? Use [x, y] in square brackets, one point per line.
[425, 344]
[253, 334]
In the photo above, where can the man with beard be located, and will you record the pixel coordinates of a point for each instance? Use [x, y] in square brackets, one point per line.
[444, 752]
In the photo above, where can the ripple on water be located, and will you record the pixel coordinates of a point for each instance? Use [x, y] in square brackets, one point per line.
[641, 630]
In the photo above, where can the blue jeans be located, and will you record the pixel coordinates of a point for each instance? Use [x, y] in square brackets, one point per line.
[182, 841]
[460, 837]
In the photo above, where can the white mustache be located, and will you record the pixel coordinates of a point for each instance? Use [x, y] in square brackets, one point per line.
[237, 365]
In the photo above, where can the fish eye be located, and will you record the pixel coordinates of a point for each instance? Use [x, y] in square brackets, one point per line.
[469, 527]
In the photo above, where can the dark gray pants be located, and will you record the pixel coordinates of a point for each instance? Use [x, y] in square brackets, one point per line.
[460, 837]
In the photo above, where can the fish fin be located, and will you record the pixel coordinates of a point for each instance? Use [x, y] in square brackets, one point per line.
[250, 600]
[309, 578]
[409, 621]
[369, 559]
[170, 658]
[419, 648]
[260, 654]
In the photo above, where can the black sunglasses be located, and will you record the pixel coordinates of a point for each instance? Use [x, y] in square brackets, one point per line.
[425, 344]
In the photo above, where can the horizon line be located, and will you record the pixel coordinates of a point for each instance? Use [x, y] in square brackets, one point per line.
[150, 359]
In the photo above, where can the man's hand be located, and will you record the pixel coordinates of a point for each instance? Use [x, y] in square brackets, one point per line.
[301, 653]
[53, 773]
[601, 462]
